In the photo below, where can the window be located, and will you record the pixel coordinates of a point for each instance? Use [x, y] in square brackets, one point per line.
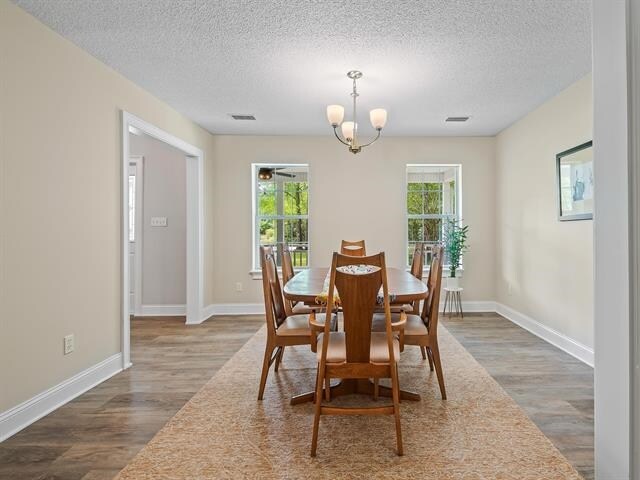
[433, 198]
[281, 210]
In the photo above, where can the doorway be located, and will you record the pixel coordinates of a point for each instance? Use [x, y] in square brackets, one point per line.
[131, 234]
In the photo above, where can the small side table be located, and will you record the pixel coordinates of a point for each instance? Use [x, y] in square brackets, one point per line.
[453, 297]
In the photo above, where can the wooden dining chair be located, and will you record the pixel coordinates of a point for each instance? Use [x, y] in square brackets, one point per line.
[353, 249]
[357, 352]
[282, 330]
[417, 266]
[422, 330]
[292, 308]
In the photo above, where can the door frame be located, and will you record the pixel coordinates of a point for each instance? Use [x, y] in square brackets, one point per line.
[195, 224]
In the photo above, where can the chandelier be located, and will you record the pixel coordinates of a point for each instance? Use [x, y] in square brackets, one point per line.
[335, 115]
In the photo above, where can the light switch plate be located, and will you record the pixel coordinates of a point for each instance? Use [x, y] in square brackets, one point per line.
[158, 221]
[68, 344]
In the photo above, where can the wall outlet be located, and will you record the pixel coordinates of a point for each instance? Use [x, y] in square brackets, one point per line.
[158, 221]
[238, 287]
[68, 344]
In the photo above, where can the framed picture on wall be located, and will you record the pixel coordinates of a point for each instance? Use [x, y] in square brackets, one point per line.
[574, 169]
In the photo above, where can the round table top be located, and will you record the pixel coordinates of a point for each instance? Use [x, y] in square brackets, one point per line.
[307, 284]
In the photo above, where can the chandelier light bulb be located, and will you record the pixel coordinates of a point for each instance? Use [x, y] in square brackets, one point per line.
[378, 118]
[335, 114]
[347, 130]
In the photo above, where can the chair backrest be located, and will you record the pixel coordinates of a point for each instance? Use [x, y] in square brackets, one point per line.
[417, 263]
[358, 281]
[273, 300]
[353, 249]
[434, 283]
[287, 264]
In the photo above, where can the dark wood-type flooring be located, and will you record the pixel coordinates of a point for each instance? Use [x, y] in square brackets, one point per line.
[98, 433]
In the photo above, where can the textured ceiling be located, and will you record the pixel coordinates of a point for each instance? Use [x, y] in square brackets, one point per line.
[285, 61]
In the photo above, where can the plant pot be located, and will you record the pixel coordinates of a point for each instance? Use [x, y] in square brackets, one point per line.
[453, 282]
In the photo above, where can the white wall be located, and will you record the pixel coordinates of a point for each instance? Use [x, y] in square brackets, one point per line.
[351, 197]
[544, 267]
[611, 238]
[164, 263]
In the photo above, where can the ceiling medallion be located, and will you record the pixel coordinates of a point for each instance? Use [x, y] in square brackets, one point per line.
[335, 115]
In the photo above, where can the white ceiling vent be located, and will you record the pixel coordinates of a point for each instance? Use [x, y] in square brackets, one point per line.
[241, 116]
[457, 119]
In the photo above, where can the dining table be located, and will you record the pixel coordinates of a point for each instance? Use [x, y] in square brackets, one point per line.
[309, 284]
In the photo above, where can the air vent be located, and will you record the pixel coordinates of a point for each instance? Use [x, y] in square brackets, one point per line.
[242, 116]
[457, 119]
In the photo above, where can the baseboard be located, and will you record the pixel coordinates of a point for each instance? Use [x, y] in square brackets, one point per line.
[231, 309]
[560, 340]
[23, 415]
[162, 310]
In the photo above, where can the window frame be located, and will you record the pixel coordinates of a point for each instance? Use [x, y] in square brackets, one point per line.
[256, 271]
[407, 216]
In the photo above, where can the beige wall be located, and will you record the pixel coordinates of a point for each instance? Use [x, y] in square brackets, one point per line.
[352, 197]
[60, 154]
[164, 249]
[544, 267]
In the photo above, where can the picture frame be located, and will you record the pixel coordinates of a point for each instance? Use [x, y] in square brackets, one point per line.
[575, 184]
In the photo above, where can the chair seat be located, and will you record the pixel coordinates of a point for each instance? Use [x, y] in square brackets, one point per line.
[298, 325]
[396, 308]
[414, 325]
[378, 351]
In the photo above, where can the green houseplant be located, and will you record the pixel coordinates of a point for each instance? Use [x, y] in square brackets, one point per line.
[455, 244]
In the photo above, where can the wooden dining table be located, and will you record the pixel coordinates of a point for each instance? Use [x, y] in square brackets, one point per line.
[308, 284]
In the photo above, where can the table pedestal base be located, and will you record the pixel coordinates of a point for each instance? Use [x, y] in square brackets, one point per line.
[350, 386]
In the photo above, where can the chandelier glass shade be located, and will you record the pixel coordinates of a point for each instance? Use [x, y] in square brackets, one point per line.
[349, 129]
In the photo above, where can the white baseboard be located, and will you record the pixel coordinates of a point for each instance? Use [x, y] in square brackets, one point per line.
[560, 340]
[220, 309]
[162, 310]
[23, 415]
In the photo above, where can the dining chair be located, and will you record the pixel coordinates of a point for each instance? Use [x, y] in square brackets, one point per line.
[283, 330]
[292, 308]
[417, 267]
[353, 249]
[357, 352]
[422, 330]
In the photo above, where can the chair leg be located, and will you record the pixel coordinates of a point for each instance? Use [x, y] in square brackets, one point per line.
[438, 364]
[430, 356]
[279, 355]
[327, 389]
[424, 353]
[376, 388]
[316, 417]
[395, 388]
[268, 351]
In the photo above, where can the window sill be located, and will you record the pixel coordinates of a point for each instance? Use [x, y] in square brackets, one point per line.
[446, 271]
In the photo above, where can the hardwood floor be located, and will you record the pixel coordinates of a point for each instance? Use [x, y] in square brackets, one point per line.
[551, 386]
[97, 434]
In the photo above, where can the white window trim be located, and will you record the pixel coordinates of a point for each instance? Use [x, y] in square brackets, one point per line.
[256, 273]
[445, 268]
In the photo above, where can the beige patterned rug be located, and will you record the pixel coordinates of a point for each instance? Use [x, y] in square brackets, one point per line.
[223, 432]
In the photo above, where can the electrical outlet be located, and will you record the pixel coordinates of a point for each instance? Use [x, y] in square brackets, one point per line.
[238, 287]
[158, 221]
[68, 344]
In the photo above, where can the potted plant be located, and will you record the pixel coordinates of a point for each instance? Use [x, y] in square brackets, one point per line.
[455, 244]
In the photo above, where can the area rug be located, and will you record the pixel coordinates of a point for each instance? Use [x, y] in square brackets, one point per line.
[223, 432]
